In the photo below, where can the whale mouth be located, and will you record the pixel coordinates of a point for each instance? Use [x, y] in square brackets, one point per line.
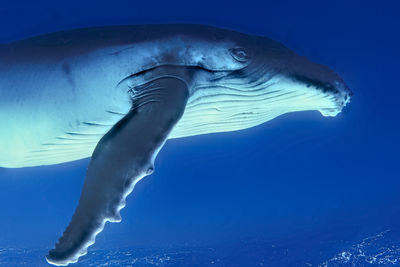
[340, 98]
[333, 95]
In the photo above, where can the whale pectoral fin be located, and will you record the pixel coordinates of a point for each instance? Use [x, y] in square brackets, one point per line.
[122, 157]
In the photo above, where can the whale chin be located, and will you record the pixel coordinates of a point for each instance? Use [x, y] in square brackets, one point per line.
[339, 102]
[329, 112]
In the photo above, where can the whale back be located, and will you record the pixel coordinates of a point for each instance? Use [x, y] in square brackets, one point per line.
[148, 45]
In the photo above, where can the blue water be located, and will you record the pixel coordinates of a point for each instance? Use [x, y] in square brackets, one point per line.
[301, 190]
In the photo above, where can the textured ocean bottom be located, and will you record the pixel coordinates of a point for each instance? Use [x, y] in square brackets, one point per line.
[380, 249]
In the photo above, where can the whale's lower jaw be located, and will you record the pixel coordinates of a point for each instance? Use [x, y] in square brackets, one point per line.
[229, 107]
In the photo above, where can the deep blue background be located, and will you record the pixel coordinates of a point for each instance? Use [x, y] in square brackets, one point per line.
[300, 177]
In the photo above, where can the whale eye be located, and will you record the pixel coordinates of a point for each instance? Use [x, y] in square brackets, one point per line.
[239, 54]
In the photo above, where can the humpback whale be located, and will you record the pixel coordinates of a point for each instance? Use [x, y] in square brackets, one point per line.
[117, 93]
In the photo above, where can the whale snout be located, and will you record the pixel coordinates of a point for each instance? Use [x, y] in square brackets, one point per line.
[345, 94]
[340, 95]
[324, 83]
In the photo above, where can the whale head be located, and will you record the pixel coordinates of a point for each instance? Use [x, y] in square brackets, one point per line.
[273, 80]
[291, 80]
[303, 84]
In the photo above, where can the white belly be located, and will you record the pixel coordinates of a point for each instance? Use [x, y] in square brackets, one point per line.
[48, 118]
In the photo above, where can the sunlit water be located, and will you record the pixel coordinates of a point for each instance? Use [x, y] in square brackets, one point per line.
[381, 249]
